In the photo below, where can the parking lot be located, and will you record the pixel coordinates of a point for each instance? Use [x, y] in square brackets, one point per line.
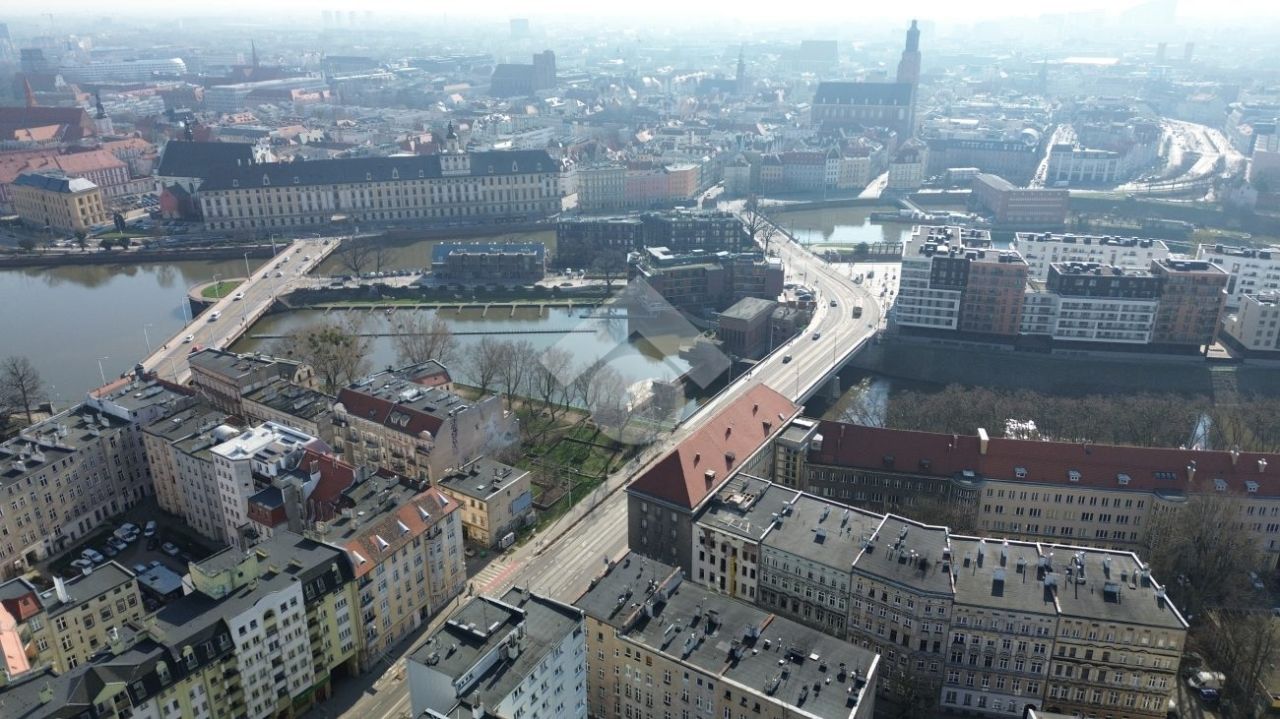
[139, 554]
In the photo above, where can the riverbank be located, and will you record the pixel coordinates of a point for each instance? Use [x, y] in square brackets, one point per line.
[135, 256]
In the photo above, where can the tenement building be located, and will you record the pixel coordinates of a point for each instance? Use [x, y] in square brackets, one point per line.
[58, 202]
[472, 186]
[986, 626]
[954, 279]
[659, 643]
[521, 656]
[1037, 490]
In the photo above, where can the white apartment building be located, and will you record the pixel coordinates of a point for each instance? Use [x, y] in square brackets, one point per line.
[1253, 270]
[523, 656]
[1102, 319]
[1255, 325]
[264, 450]
[1041, 249]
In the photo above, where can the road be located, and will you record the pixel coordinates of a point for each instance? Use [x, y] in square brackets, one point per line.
[235, 315]
[561, 561]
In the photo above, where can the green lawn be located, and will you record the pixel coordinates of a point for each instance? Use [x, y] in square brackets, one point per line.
[221, 289]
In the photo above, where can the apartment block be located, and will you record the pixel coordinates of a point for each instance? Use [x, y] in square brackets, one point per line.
[953, 279]
[1192, 297]
[698, 281]
[984, 622]
[659, 643]
[521, 656]
[489, 261]
[406, 421]
[1042, 491]
[164, 441]
[496, 501]
[243, 461]
[1101, 303]
[662, 501]
[404, 543]
[1252, 327]
[62, 478]
[292, 405]
[226, 377]
[1042, 249]
[580, 239]
[1253, 271]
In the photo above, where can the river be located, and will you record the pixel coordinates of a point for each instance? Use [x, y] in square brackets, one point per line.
[65, 318]
[840, 226]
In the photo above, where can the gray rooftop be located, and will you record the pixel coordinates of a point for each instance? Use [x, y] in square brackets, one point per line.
[912, 559]
[748, 308]
[102, 579]
[822, 531]
[41, 445]
[482, 478]
[284, 396]
[1113, 588]
[186, 422]
[54, 182]
[196, 614]
[998, 575]
[779, 660]
[746, 506]
[483, 624]
[232, 365]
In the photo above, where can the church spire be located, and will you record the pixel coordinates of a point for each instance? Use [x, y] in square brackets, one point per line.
[740, 80]
[913, 38]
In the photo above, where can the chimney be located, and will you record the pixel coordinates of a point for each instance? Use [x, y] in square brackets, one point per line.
[60, 589]
[1262, 465]
[1235, 454]
[982, 441]
[1191, 471]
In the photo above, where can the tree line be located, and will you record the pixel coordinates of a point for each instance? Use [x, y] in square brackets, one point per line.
[1143, 419]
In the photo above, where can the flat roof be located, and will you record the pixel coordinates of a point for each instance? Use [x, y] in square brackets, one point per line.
[746, 506]
[482, 478]
[907, 553]
[822, 531]
[104, 578]
[773, 658]
[482, 625]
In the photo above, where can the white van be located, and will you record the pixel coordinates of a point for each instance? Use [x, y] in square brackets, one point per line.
[214, 317]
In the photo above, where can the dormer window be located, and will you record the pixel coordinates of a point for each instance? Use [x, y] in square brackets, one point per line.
[368, 176]
[1123, 479]
[395, 173]
[1251, 487]
[1073, 475]
[266, 180]
[1020, 472]
[296, 180]
[235, 183]
[515, 167]
[1220, 484]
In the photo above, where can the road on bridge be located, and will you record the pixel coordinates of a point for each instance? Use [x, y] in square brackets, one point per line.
[236, 312]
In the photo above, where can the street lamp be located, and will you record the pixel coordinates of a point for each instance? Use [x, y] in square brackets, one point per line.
[217, 287]
[248, 274]
[147, 336]
[101, 374]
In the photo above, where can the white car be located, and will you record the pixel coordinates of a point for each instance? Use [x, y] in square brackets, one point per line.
[170, 549]
[237, 297]
[279, 274]
[189, 339]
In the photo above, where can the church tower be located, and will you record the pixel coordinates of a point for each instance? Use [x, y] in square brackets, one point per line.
[740, 80]
[909, 65]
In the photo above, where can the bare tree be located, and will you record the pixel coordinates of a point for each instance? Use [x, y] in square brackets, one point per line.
[1199, 551]
[359, 254]
[609, 266]
[516, 362]
[864, 407]
[1243, 645]
[337, 352]
[20, 385]
[938, 509]
[485, 358]
[609, 401]
[759, 228]
[426, 338]
[548, 381]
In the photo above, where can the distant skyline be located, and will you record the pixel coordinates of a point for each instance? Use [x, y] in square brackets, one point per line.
[795, 12]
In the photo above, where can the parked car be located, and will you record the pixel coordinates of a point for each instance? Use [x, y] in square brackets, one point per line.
[82, 564]
[109, 550]
[118, 544]
[140, 568]
[93, 556]
[170, 549]
[150, 530]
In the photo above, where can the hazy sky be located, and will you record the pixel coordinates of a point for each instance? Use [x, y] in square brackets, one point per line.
[664, 11]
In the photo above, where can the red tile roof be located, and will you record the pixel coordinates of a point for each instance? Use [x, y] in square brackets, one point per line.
[1098, 466]
[719, 446]
[392, 526]
[23, 607]
[335, 477]
[376, 409]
